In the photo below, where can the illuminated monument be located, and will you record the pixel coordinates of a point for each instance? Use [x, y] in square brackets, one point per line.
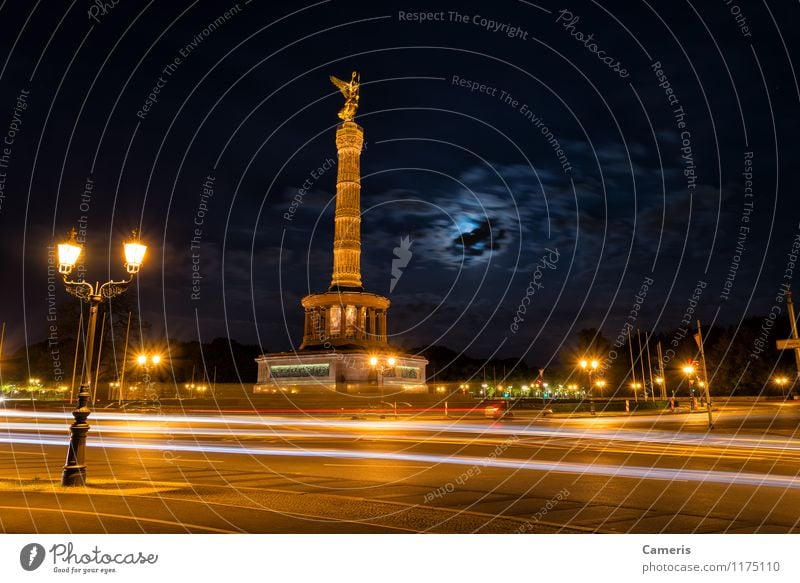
[345, 347]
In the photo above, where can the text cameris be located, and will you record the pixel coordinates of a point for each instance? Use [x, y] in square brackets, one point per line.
[681, 550]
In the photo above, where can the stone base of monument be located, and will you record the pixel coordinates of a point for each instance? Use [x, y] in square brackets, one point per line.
[340, 371]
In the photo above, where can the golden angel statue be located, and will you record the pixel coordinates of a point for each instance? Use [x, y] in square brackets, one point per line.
[350, 92]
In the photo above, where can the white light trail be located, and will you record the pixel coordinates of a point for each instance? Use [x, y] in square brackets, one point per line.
[483, 430]
[616, 471]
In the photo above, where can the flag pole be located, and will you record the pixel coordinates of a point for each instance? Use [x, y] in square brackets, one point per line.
[633, 368]
[705, 375]
[641, 362]
[662, 372]
[124, 361]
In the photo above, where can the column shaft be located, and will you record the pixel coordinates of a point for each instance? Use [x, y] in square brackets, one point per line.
[382, 325]
[359, 331]
[347, 221]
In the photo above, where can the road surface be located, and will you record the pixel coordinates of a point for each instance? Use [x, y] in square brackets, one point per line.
[150, 472]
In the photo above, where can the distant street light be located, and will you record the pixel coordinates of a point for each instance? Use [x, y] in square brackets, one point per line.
[33, 386]
[74, 473]
[589, 366]
[114, 391]
[146, 361]
[782, 382]
[381, 365]
[600, 384]
[690, 371]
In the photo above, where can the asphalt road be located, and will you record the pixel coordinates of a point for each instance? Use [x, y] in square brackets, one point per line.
[246, 473]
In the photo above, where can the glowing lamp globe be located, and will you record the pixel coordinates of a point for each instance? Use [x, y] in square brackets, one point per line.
[68, 254]
[134, 254]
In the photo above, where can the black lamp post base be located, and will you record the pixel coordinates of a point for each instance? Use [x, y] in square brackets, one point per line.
[74, 473]
[74, 476]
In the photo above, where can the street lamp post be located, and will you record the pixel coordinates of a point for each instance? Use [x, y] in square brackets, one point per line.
[600, 384]
[191, 388]
[691, 375]
[145, 361]
[589, 366]
[114, 391]
[380, 366]
[74, 473]
[34, 385]
[635, 386]
[690, 372]
[782, 382]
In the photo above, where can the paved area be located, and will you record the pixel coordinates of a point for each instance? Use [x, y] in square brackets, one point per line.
[244, 473]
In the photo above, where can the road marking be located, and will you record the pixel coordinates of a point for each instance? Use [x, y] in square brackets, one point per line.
[120, 516]
[293, 513]
[179, 459]
[374, 466]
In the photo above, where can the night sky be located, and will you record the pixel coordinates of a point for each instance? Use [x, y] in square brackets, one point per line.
[592, 180]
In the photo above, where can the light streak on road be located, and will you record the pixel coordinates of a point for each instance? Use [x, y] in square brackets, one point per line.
[189, 431]
[372, 429]
[616, 471]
